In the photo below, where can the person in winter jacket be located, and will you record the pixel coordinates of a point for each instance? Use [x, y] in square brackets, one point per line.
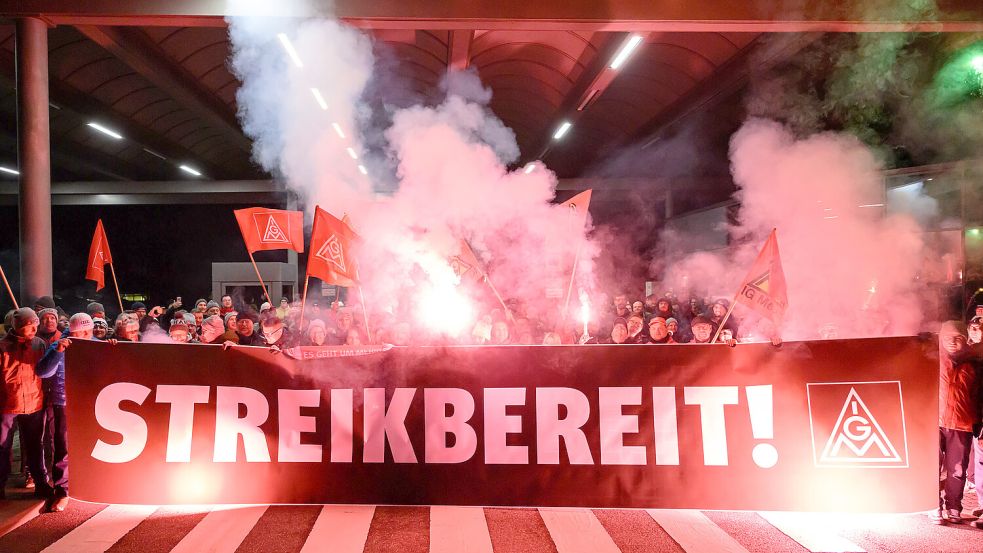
[959, 404]
[22, 398]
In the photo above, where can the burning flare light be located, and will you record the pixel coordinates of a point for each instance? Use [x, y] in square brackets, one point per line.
[443, 309]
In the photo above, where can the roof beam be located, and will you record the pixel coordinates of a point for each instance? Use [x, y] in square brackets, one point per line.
[143, 55]
[156, 193]
[459, 49]
[573, 15]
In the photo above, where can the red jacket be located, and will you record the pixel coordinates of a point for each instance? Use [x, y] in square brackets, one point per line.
[21, 393]
[959, 392]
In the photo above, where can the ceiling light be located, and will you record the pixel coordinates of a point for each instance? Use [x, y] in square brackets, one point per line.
[9, 170]
[625, 51]
[562, 130]
[106, 131]
[529, 168]
[319, 98]
[290, 49]
[363, 169]
[352, 153]
[337, 129]
[193, 171]
[871, 205]
[153, 153]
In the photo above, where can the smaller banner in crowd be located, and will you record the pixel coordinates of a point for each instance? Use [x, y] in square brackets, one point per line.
[837, 425]
[271, 229]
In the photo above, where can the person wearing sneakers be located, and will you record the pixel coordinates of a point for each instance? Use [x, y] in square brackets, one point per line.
[22, 399]
[959, 393]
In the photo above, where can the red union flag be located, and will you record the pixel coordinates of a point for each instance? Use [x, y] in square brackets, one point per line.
[764, 288]
[578, 206]
[330, 257]
[98, 257]
[271, 229]
[465, 264]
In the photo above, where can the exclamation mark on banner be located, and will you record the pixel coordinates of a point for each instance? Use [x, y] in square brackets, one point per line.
[761, 409]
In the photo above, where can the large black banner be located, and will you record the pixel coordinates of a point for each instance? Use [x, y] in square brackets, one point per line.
[842, 425]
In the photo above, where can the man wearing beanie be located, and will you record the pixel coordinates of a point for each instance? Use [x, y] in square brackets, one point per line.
[212, 330]
[958, 412]
[51, 369]
[140, 309]
[48, 328]
[22, 398]
[43, 302]
[231, 320]
[96, 311]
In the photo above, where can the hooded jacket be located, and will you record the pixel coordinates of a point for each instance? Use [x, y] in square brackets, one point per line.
[21, 393]
[959, 387]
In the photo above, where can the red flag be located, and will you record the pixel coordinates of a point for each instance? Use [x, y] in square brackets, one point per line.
[98, 257]
[764, 288]
[331, 258]
[465, 264]
[578, 206]
[271, 229]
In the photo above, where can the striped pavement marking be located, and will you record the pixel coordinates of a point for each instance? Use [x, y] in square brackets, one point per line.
[340, 528]
[577, 531]
[15, 513]
[100, 532]
[459, 530]
[694, 532]
[221, 531]
[814, 536]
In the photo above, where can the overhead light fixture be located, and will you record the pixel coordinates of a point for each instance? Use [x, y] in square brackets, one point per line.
[871, 205]
[363, 170]
[562, 130]
[9, 170]
[530, 167]
[191, 170]
[153, 153]
[337, 129]
[352, 153]
[626, 50]
[105, 131]
[289, 47]
[319, 98]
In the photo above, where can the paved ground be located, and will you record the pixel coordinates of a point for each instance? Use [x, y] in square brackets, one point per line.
[86, 527]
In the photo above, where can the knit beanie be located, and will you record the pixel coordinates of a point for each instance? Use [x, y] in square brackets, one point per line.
[100, 321]
[79, 322]
[190, 319]
[211, 304]
[138, 305]
[214, 323]
[94, 307]
[45, 301]
[48, 311]
[228, 316]
[23, 317]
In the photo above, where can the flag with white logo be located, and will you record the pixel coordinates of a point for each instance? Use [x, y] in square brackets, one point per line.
[331, 258]
[271, 229]
[98, 257]
[764, 288]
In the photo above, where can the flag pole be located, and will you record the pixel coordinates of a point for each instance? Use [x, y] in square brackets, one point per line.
[365, 310]
[303, 301]
[508, 312]
[261, 283]
[566, 302]
[119, 298]
[9, 291]
[723, 321]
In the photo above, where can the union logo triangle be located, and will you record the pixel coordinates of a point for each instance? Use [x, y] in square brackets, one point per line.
[459, 267]
[273, 232]
[332, 252]
[762, 283]
[857, 438]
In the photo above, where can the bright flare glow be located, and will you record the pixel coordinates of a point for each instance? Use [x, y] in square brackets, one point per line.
[445, 310]
[625, 51]
[352, 153]
[191, 170]
[362, 169]
[289, 47]
[562, 130]
[337, 129]
[319, 98]
[977, 63]
[105, 131]
[9, 170]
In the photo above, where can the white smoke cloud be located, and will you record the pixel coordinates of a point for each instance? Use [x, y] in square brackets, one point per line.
[451, 169]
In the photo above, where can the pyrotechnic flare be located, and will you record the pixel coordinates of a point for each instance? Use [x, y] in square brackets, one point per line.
[584, 316]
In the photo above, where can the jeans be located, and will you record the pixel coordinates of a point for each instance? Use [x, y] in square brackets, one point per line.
[56, 446]
[32, 428]
[954, 446]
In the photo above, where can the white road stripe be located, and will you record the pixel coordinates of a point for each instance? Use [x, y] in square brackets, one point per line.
[340, 529]
[577, 531]
[814, 536]
[221, 530]
[13, 514]
[695, 533]
[105, 528]
[459, 530]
